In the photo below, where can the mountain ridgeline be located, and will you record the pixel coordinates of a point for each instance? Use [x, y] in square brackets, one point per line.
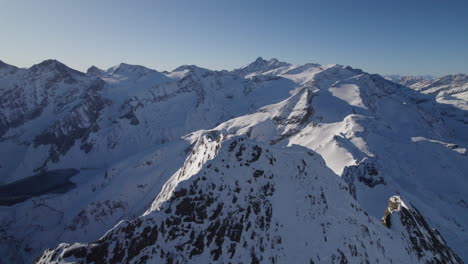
[268, 163]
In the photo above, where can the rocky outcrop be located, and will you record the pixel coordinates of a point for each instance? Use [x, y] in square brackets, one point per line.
[260, 65]
[394, 204]
[427, 243]
[49, 85]
[365, 172]
[78, 124]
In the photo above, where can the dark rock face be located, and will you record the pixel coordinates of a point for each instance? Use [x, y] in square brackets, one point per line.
[48, 84]
[195, 220]
[129, 108]
[94, 71]
[261, 65]
[64, 105]
[366, 172]
[426, 242]
[78, 124]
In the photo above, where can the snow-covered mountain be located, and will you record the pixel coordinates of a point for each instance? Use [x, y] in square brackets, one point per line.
[75, 117]
[254, 203]
[188, 165]
[449, 89]
[260, 66]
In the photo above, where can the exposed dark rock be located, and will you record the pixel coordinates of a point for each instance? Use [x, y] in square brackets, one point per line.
[426, 242]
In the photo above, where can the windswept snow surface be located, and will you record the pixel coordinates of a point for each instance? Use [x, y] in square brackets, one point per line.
[138, 135]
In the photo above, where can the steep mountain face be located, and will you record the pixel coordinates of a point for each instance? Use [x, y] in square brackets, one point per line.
[255, 203]
[47, 107]
[188, 153]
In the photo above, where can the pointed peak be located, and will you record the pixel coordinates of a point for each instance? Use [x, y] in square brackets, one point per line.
[261, 65]
[260, 60]
[52, 64]
[274, 60]
[94, 71]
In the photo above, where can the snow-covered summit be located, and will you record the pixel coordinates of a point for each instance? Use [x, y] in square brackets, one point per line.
[184, 70]
[261, 65]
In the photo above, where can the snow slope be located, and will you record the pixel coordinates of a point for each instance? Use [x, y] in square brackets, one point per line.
[256, 203]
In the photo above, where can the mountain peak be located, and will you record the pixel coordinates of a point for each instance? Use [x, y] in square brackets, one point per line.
[192, 68]
[261, 65]
[54, 65]
[133, 73]
[274, 60]
[50, 62]
[94, 71]
[260, 60]
[128, 68]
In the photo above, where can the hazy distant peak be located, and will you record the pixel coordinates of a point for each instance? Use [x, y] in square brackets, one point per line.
[188, 67]
[53, 65]
[261, 65]
[94, 71]
[126, 68]
[50, 63]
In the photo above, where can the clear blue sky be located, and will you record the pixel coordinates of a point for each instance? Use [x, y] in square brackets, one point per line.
[387, 37]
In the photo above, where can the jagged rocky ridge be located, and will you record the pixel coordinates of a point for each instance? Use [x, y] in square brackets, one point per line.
[254, 203]
[371, 132]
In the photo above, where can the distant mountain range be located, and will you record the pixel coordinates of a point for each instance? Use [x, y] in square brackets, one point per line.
[268, 163]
